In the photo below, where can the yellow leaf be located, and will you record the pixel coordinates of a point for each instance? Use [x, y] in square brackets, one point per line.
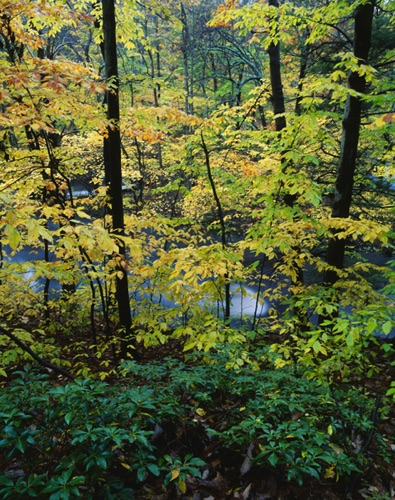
[182, 485]
[190, 345]
[44, 233]
[336, 448]
[330, 472]
[174, 474]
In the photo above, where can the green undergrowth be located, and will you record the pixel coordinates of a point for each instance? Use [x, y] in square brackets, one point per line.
[162, 425]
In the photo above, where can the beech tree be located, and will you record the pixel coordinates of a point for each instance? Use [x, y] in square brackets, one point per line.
[351, 125]
[113, 167]
[302, 154]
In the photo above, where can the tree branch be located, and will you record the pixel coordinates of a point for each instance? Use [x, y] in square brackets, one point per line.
[36, 357]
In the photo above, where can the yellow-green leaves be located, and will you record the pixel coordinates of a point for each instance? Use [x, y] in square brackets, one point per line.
[367, 230]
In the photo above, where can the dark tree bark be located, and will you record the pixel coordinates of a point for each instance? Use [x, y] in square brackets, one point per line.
[350, 138]
[221, 221]
[186, 48]
[276, 81]
[278, 103]
[302, 75]
[113, 167]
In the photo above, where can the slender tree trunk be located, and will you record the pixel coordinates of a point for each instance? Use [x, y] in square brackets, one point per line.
[278, 103]
[350, 137]
[156, 73]
[221, 221]
[113, 167]
[184, 48]
[276, 81]
[302, 75]
[214, 70]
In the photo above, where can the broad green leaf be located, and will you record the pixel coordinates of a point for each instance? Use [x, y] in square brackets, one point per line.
[387, 327]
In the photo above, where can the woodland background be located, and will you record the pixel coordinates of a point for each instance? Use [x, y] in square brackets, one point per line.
[161, 162]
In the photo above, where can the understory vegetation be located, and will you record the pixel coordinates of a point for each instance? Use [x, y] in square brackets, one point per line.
[202, 427]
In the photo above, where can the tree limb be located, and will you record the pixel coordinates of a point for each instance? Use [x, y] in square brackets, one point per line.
[36, 357]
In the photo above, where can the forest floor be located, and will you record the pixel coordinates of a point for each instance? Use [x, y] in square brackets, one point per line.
[192, 408]
[230, 474]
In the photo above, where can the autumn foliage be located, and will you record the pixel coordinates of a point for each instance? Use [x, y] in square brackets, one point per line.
[250, 230]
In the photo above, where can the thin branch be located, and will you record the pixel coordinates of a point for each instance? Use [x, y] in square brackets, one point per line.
[36, 357]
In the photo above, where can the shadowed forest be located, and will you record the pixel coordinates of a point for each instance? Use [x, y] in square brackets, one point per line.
[197, 228]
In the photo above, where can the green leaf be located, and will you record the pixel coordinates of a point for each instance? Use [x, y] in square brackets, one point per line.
[154, 469]
[68, 417]
[6, 481]
[141, 474]
[371, 325]
[101, 462]
[273, 459]
[20, 445]
[313, 472]
[14, 238]
[350, 340]
[387, 327]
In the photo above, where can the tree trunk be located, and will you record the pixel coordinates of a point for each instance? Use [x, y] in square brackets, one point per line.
[113, 171]
[302, 75]
[278, 103]
[350, 137]
[184, 49]
[275, 81]
[221, 221]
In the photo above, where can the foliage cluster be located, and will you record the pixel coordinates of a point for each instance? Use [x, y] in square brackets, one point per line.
[208, 178]
[235, 120]
[93, 439]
